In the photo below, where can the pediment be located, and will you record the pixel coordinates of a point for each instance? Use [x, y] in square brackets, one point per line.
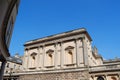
[33, 54]
[50, 51]
[69, 47]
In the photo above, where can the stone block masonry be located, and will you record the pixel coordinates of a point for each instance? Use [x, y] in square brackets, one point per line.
[83, 75]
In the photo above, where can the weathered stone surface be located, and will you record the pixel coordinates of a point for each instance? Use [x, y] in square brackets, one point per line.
[56, 76]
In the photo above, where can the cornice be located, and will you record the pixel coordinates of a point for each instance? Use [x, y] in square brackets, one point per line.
[60, 40]
[59, 37]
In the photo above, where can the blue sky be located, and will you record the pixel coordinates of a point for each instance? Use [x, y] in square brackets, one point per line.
[40, 18]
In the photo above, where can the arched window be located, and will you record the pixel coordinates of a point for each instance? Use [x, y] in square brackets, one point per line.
[100, 78]
[50, 57]
[33, 59]
[69, 55]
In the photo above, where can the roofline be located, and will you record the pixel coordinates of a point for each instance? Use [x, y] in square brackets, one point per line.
[14, 60]
[80, 30]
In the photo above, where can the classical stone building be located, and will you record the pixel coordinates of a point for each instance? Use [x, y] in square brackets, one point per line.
[66, 56]
[60, 57]
[13, 66]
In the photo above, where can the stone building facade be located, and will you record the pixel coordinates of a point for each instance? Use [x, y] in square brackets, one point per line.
[60, 54]
[66, 56]
[13, 66]
[65, 50]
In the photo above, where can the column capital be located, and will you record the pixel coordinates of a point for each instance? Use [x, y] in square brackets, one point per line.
[42, 45]
[55, 44]
[26, 49]
[92, 75]
[75, 38]
[118, 74]
[38, 47]
[82, 38]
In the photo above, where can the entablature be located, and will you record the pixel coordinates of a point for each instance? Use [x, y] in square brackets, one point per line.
[60, 40]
